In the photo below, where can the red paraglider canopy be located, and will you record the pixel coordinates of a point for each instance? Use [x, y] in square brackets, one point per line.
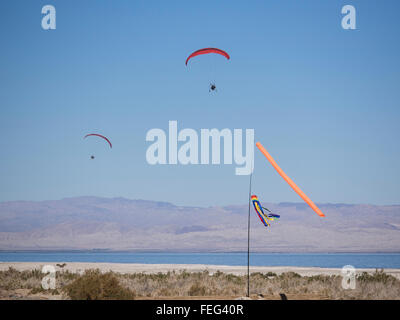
[208, 50]
[99, 135]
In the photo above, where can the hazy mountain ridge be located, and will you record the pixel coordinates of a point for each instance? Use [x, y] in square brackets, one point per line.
[124, 224]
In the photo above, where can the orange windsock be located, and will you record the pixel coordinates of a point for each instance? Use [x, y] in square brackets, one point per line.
[289, 181]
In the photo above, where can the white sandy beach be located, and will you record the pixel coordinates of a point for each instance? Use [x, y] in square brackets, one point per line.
[164, 268]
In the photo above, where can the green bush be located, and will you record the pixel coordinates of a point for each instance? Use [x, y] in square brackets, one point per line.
[377, 276]
[94, 285]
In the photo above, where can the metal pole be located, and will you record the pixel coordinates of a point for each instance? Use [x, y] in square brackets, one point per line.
[248, 241]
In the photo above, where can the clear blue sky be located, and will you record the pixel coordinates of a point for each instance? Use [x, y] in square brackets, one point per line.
[324, 101]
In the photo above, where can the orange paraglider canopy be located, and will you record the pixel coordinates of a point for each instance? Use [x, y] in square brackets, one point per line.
[288, 180]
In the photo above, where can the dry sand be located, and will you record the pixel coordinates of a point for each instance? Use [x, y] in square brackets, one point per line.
[164, 268]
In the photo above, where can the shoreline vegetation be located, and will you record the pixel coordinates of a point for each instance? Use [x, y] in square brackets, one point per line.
[95, 281]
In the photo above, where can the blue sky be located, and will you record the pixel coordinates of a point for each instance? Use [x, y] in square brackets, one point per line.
[324, 101]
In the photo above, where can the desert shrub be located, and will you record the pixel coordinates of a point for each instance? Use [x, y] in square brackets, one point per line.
[289, 275]
[164, 292]
[197, 290]
[94, 285]
[184, 274]
[271, 274]
[41, 290]
[218, 274]
[263, 275]
[234, 279]
[67, 275]
[377, 276]
[12, 279]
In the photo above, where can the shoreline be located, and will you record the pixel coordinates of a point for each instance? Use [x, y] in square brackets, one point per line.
[129, 268]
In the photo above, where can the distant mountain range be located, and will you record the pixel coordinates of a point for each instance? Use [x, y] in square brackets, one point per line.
[123, 224]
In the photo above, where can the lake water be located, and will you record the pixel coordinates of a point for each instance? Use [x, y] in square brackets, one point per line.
[324, 260]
